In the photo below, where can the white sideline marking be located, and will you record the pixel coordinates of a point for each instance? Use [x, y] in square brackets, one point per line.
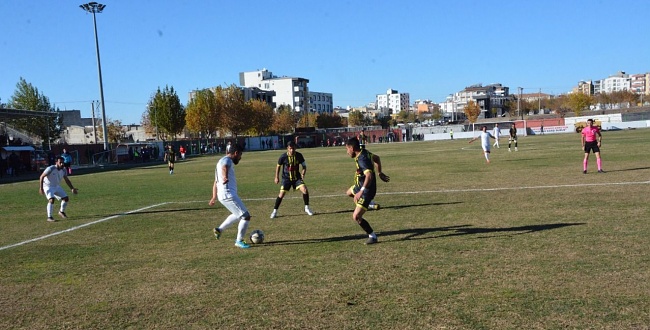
[77, 227]
[331, 196]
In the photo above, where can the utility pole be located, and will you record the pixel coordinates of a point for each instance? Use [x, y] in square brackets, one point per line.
[519, 103]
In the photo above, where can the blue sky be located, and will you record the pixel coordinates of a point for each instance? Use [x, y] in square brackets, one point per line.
[353, 49]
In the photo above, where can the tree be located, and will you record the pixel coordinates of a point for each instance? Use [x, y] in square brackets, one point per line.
[27, 97]
[472, 111]
[559, 105]
[114, 131]
[406, 116]
[578, 102]
[166, 112]
[262, 117]
[356, 118]
[237, 112]
[284, 120]
[325, 120]
[204, 111]
[436, 112]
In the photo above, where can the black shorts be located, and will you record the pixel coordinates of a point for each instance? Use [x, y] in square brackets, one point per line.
[288, 184]
[591, 146]
[66, 165]
[366, 196]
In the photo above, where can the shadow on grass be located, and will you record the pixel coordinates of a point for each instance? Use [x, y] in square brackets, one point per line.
[156, 211]
[349, 211]
[429, 233]
[629, 169]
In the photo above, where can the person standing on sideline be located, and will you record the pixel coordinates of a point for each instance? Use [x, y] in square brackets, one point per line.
[497, 134]
[591, 139]
[485, 142]
[513, 137]
[365, 185]
[50, 186]
[289, 163]
[67, 161]
[170, 158]
[225, 190]
[451, 133]
[182, 151]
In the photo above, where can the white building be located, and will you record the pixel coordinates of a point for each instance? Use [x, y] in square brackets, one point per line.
[394, 101]
[491, 99]
[321, 102]
[291, 91]
[615, 83]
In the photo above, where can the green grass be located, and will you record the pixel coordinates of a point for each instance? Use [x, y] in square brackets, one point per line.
[527, 242]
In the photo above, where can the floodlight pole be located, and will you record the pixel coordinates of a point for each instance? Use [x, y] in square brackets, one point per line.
[94, 7]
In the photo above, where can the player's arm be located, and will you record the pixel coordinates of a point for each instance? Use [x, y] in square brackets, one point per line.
[214, 193]
[304, 168]
[474, 139]
[366, 183]
[377, 160]
[224, 173]
[40, 182]
[600, 137]
[277, 173]
[72, 188]
[582, 139]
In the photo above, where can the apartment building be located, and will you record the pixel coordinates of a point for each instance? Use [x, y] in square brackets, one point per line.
[615, 83]
[638, 83]
[321, 102]
[394, 101]
[289, 91]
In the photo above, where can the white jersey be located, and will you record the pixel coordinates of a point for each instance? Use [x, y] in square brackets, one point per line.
[497, 132]
[485, 140]
[228, 190]
[53, 176]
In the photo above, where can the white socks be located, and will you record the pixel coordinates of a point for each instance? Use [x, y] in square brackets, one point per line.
[50, 207]
[243, 226]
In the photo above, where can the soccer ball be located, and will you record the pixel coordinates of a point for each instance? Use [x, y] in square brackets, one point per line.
[257, 236]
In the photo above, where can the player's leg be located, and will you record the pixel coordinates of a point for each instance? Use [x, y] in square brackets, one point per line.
[50, 208]
[599, 162]
[351, 191]
[509, 143]
[516, 149]
[238, 213]
[359, 211]
[585, 161]
[486, 151]
[305, 197]
[283, 190]
[64, 204]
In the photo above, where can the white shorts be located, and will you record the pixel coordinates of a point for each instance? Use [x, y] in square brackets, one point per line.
[55, 192]
[235, 206]
[486, 148]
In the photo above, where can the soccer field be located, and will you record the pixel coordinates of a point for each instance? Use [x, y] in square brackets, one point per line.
[526, 242]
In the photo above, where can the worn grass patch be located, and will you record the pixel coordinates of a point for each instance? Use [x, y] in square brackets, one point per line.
[527, 242]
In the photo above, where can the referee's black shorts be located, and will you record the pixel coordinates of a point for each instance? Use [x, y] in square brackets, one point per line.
[591, 146]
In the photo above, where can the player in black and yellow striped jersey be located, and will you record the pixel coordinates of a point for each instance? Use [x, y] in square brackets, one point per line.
[289, 164]
[377, 161]
[170, 158]
[365, 185]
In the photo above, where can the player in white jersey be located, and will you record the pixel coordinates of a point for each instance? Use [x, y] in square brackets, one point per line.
[49, 185]
[485, 142]
[225, 190]
[497, 134]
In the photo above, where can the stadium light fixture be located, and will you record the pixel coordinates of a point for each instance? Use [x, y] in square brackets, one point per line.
[94, 7]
